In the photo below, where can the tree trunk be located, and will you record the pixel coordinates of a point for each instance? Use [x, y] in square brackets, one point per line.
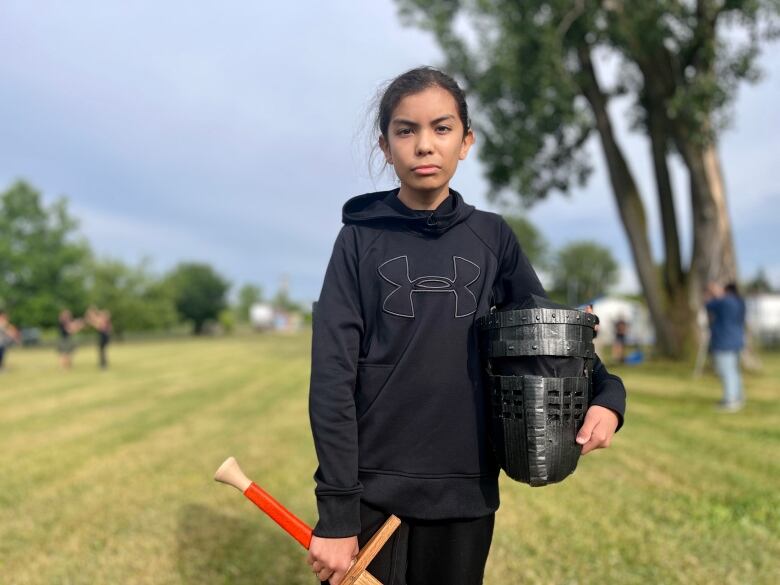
[713, 256]
[673, 272]
[680, 311]
[629, 204]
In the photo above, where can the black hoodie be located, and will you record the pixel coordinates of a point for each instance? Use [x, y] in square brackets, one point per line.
[397, 409]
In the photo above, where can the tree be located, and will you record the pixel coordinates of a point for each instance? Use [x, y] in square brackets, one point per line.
[583, 271]
[42, 259]
[531, 240]
[282, 300]
[760, 284]
[532, 67]
[138, 300]
[198, 292]
[248, 295]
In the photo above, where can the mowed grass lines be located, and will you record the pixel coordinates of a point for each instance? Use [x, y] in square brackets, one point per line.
[105, 477]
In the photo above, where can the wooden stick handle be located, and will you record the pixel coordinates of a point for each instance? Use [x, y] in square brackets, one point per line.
[357, 574]
[230, 473]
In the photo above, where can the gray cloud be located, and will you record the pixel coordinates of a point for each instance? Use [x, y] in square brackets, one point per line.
[234, 135]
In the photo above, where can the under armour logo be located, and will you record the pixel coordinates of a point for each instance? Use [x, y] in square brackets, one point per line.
[399, 302]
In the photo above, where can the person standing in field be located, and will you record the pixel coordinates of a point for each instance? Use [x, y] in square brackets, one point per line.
[726, 311]
[397, 407]
[8, 335]
[100, 320]
[619, 342]
[67, 327]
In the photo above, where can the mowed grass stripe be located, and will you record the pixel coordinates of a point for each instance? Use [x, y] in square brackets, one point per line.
[37, 372]
[116, 431]
[127, 460]
[134, 376]
[611, 525]
[697, 444]
[137, 461]
[119, 426]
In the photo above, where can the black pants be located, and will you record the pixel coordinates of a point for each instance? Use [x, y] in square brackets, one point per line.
[429, 552]
[103, 340]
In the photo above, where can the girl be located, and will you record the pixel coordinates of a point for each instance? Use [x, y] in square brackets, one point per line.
[396, 402]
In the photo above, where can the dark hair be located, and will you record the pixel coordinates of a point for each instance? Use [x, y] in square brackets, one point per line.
[732, 288]
[415, 81]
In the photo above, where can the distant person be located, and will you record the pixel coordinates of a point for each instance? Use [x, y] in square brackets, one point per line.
[619, 343]
[726, 310]
[8, 335]
[101, 322]
[67, 326]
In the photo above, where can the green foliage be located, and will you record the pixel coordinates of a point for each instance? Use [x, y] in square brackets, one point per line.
[530, 122]
[283, 302]
[248, 295]
[582, 271]
[522, 61]
[198, 292]
[227, 320]
[534, 68]
[531, 240]
[45, 266]
[138, 300]
[42, 261]
[759, 284]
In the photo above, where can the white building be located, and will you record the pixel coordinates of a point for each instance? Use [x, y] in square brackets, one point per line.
[264, 317]
[261, 316]
[612, 308]
[763, 317]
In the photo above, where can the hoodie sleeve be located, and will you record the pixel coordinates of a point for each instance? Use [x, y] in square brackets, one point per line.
[608, 391]
[516, 278]
[337, 329]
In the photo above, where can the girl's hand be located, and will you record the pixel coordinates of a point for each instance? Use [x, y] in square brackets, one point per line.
[597, 429]
[331, 558]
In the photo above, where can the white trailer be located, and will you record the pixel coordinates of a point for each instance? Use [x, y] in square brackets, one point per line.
[261, 316]
[763, 317]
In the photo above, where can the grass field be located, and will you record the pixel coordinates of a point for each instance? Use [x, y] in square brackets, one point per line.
[105, 477]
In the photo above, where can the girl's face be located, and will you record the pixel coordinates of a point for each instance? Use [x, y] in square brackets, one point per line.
[425, 140]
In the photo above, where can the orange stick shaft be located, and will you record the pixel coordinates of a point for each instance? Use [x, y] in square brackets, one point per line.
[293, 525]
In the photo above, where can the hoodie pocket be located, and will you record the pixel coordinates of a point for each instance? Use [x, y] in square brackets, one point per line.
[371, 380]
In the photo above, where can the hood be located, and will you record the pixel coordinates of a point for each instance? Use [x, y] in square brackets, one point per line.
[385, 207]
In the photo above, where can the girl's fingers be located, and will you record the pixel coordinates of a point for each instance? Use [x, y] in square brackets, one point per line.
[594, 438]
[336, 578]
[588, 447]
[597, 429]
[599, 438]
[588, 426]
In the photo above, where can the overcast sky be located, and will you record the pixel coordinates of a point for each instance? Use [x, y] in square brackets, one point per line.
[233, 133]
